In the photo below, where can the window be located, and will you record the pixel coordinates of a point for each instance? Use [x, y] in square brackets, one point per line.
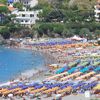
[22, 21]
[23, 15]
[31, 15]
[26, 20]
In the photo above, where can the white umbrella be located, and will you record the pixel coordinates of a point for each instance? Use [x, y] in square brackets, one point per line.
[10, 95]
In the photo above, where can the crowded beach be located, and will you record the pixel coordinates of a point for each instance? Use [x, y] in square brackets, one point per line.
[73, 73]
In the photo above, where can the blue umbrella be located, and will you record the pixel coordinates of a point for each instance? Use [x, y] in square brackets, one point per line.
[72, 70]
[13, 87]
[97, 69]
[20, 84]
[61, 70]
[84, 70]
[24, 87]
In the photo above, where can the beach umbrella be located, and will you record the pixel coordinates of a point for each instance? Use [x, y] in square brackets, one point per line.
[97, 87]
[84, 70]
[10, 95]
[91, 67]
[97, 69]
[61, 70]
[72, 64]
[70, 76]
[68, 89]
[96, 63]
[13, 87]
[38, 86]
[20, 84]
[24, 87]
[71, 70]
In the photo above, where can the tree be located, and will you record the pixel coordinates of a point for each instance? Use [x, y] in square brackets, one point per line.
[55, 15]
[97, 33]
[5, 33]
[3, 9]
[69, 32]
[58, 29]
[84, 32]
[45, 12]
[90, 35]
[3, 1]
[18, 5]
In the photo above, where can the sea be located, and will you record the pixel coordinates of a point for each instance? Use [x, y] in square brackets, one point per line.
[15, 61]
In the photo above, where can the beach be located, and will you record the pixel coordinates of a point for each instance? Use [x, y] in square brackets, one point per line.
[56, 56]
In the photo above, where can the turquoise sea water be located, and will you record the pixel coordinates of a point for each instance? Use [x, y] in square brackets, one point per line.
[15, 61]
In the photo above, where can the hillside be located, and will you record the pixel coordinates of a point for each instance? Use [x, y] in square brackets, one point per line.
[82, 4]
[59, 18]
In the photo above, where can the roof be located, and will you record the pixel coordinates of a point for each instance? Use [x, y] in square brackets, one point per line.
[11, 8]
[98, 0]
[2, 5]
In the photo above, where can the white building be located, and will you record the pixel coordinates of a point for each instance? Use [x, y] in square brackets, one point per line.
[26, 3]
[97, 11]
[27, 18]
[29, 3]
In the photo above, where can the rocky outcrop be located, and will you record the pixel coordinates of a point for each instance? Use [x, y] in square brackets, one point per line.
[1, 39]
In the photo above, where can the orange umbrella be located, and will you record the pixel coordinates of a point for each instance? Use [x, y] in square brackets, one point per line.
[68, 89]
[70, 76]
[86, 75]
[3, 90]
[38, 90]
[51, 90]
[58, 75]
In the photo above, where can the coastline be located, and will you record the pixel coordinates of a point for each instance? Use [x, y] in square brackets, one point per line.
[52, 56]
[39, 72]
[33, 73]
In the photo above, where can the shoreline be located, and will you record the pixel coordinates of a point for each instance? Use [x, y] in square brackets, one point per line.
[29, 74]
[50, 58]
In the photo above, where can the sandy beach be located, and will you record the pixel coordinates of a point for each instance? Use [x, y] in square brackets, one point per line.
[60, 55]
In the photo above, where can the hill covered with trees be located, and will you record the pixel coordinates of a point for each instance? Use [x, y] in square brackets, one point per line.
[61, 18]
[66, 18]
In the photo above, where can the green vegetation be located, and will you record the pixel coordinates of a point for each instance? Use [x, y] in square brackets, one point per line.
[66, 18]
[3, 1]
[60, 18]
[3, 9]
[18, 5]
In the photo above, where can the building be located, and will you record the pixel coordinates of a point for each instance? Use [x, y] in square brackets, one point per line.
[27, 18]
[26, 3]
[97, 11]
[29, 3]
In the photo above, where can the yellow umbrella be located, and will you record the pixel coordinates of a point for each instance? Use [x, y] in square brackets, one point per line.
[30, 89]
[7, 92]
[98, 75]
[14, 90]
[97, 87]
[51, 90]
[70, 76]
[38, 90]
[3, 90]
[86, 75]
[68, 89]
[58, 75]
[21, 92]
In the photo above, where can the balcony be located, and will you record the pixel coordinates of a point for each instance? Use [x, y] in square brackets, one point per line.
[96, 15]
[97, 11]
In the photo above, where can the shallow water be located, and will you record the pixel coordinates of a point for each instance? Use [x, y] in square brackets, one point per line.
[15, 61]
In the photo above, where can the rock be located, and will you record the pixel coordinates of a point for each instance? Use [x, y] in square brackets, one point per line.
[1, 39]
